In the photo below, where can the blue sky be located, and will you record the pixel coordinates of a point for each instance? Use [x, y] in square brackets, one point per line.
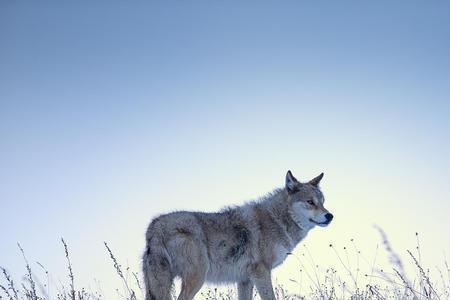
[111, 113]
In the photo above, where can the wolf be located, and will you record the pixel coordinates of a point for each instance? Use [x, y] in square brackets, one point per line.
[236, 245]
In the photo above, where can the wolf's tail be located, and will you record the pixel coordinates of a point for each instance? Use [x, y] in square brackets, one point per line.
[156, 267]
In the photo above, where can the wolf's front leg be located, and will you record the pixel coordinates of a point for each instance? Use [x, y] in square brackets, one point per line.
[261, 277]
[245, 290]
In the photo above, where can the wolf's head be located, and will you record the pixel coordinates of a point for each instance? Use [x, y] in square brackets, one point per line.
[306, 202]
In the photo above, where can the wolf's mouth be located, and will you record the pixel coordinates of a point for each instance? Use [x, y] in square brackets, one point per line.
[320, 223]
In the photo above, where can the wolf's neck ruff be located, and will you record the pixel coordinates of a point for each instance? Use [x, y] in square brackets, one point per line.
[295, 227]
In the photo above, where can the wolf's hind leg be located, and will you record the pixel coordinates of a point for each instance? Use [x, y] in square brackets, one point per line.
[191, 284]
[193, 268]
[245, 290]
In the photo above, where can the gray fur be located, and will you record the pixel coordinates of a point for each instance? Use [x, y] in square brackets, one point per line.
[241, 244]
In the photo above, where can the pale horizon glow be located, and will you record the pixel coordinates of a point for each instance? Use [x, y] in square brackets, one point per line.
[111, 114]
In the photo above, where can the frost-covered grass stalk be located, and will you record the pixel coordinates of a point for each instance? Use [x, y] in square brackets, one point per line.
[359, 279]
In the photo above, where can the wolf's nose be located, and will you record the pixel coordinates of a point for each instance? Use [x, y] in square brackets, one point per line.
[329, 217]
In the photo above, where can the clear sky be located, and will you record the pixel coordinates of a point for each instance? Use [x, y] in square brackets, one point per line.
[112, 113]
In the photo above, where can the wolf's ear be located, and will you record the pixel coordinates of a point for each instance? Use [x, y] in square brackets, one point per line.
[315, 181]
[291, 183]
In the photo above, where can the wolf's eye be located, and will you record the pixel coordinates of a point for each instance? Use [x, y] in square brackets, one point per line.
[310, 202]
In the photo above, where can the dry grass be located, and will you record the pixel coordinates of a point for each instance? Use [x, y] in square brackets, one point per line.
[360, 279]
